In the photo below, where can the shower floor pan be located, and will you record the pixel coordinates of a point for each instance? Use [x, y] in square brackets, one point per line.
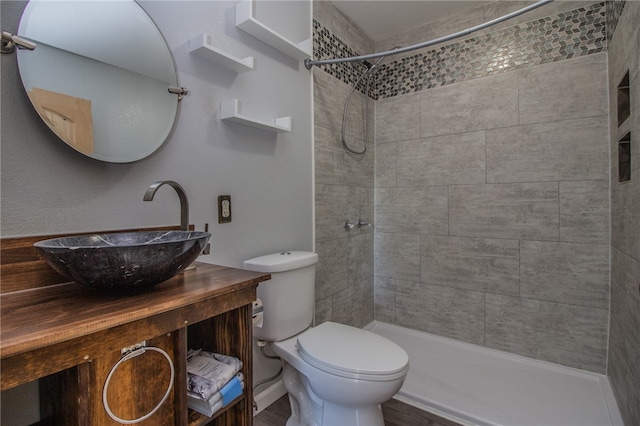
[475, 385]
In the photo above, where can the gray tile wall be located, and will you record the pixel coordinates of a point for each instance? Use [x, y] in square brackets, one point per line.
[343, 185]
[494, 230]
[624, 339]
[491, 206]
[492, 211]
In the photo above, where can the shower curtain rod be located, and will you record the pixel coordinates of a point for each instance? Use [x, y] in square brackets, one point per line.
[308, 63]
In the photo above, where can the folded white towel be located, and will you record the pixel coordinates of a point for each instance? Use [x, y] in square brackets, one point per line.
[208, 372]
[229, 392]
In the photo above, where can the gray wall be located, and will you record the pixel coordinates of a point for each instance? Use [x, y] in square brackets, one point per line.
[343, 185]
[494, 230]
[491, 203]
[624, 339]
[50, 188]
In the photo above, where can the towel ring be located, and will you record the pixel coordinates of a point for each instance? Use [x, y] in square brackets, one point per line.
[128, 356]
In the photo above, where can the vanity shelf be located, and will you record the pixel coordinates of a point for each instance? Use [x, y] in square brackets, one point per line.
[200, 46]
[249, 24]
[68, 337]
[229, 111]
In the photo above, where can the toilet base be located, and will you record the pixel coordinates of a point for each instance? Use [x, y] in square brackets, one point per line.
[307, 409]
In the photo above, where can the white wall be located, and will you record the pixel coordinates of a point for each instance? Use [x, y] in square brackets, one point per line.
[49, 188]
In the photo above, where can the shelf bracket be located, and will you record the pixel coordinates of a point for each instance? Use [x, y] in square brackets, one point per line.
[180, 91]
[10, 41]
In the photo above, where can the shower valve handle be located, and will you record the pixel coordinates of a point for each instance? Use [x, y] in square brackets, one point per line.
[348, 226]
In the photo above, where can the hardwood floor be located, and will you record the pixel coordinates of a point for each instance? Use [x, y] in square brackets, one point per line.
[396, 413]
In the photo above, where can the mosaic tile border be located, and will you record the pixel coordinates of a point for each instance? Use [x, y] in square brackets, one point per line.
[578, 32]
[327, 46]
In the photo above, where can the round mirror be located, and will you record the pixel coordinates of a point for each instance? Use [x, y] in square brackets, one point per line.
[99, 76]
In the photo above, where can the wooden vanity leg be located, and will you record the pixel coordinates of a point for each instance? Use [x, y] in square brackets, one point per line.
[179, 386]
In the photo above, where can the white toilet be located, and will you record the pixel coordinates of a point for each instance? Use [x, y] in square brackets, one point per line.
[336, 375]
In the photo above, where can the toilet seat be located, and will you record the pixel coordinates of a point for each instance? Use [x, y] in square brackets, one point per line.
[352, 352]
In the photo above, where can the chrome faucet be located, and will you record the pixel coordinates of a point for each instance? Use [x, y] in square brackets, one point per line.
[184, 203]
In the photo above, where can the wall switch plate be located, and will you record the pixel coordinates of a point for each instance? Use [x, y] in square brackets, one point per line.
[224, 208]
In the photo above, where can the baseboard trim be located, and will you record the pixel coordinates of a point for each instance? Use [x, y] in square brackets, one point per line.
[268, 396]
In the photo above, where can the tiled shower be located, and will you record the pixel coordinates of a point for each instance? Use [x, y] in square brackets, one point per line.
[495, 221]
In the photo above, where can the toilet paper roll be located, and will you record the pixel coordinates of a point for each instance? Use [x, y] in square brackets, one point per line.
[257, 316]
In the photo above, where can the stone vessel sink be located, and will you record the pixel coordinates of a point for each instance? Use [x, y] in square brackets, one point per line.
[123, 262]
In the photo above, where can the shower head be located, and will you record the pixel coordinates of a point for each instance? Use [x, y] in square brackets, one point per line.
[367, 64]
[372, 68]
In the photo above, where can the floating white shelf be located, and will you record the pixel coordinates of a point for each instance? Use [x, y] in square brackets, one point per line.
[229, 111]
[200, 46]
[247, 23]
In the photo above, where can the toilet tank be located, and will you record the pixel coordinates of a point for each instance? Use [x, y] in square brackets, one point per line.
[288, 297]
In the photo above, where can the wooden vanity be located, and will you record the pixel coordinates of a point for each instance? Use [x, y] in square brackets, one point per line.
[69, 337]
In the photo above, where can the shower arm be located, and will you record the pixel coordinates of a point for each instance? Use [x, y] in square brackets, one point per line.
[308, 63]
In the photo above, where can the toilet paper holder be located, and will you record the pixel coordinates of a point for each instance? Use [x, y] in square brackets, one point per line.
[257, 313]
[257, 308]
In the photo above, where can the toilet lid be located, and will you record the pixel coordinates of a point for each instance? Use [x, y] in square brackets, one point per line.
[339, 348]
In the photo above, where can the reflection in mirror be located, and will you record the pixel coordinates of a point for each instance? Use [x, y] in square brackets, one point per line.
[99, 76]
